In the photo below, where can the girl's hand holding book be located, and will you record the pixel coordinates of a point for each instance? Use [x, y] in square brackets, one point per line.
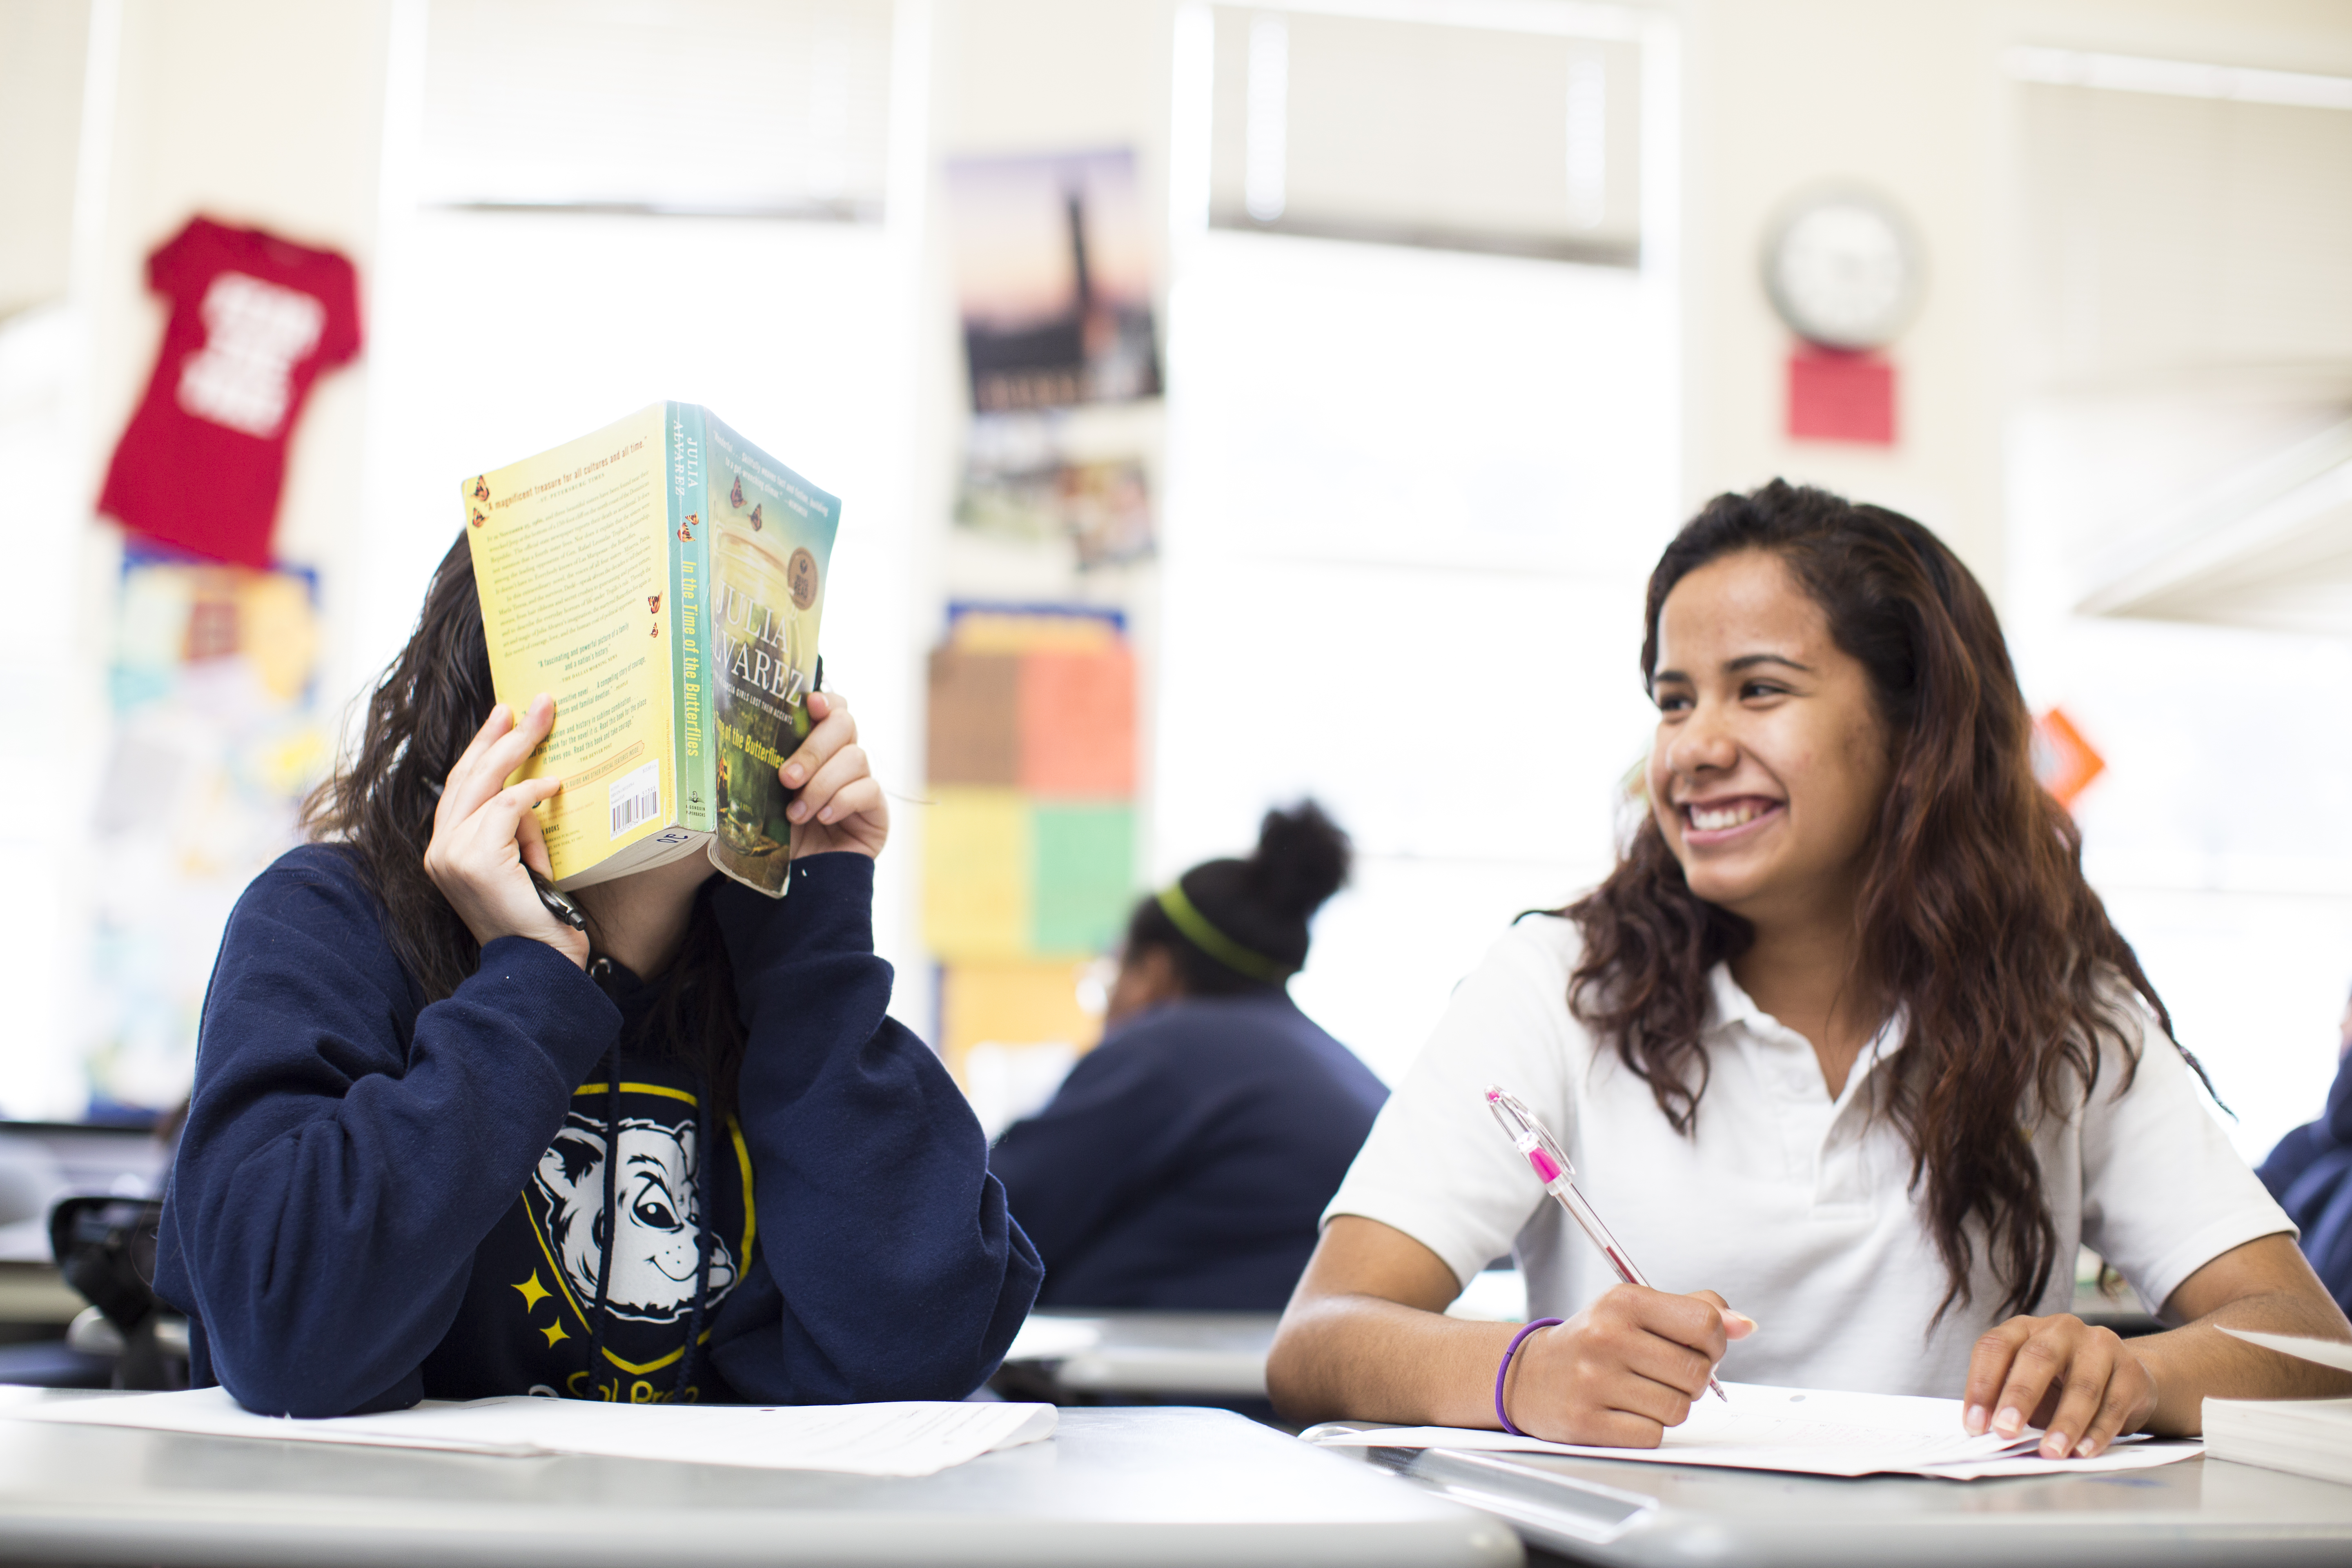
[841, 805]
[484, 835]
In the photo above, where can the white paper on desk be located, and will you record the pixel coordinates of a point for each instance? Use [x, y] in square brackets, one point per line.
[909, 1438]
[211, 1413]
[1809, 1431]
[2327, 1352]
[1054, 1338]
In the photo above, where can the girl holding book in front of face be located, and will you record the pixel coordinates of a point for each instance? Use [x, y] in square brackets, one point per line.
[442, 1146]
[1845, 1036]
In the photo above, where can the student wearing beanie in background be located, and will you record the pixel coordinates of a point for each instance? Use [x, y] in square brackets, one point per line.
[1185, 1163]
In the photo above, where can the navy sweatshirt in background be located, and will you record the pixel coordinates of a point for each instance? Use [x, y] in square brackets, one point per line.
[1186, 1160]
[2310, 1174]
[353, 1160]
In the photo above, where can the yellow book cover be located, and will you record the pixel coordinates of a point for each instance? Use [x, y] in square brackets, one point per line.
[662, 580]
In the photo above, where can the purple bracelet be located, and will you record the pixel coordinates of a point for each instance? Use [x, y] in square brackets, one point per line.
[1504, 1371]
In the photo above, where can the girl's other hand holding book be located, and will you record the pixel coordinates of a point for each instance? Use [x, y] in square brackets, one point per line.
[484, 835]
[840, 805]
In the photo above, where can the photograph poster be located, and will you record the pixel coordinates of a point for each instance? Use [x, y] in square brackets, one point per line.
[1052, 279]
[1029, 478]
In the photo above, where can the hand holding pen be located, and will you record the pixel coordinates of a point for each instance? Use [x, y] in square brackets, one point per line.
[1558, 1176]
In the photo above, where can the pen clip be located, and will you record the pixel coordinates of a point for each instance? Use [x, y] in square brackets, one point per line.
[1532, 1138]
[558, 902]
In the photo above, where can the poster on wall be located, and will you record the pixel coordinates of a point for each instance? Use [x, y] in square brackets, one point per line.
[217, 736]
[1052, 279]
[1024, 479]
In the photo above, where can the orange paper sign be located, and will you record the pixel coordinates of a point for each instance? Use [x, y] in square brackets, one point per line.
[2062, 760]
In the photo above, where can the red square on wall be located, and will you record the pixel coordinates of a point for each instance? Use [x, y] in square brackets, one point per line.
[1078, 722]
[1838, 396]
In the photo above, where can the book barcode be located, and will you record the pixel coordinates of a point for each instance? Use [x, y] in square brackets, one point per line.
[635, 797]
[627, 814]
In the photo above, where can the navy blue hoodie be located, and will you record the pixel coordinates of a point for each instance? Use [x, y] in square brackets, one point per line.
[2310, 1174]
[1185, 1163]
[377, 1200]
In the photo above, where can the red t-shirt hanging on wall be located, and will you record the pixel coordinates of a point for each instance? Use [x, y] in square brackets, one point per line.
[254, 320]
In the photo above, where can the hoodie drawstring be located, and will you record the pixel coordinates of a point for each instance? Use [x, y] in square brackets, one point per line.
[612, 1221]
[703, 1154]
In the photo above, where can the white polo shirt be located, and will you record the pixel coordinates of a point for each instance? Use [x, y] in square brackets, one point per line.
[1793, 1206]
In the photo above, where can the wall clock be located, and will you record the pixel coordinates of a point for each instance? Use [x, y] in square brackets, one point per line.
[1844, 268]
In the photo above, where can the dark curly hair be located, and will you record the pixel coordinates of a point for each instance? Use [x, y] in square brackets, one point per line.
[379, 803]
[1973, 920]
[1263, 903]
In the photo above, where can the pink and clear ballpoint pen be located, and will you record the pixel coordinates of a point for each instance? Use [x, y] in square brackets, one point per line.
[1543, 1152]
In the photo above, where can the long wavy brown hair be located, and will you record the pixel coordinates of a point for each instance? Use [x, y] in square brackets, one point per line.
[379, 803]
[1973, 922]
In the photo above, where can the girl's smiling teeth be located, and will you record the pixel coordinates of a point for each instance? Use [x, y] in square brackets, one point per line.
[1721, 816]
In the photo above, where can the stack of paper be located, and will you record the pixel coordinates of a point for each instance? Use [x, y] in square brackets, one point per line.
[2303, 1436]
[1811, 1431]
[897, 1439]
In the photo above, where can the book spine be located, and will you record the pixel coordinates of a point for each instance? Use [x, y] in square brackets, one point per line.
[694, 753]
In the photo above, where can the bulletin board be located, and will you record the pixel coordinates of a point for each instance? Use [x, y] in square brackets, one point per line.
[1029, 855]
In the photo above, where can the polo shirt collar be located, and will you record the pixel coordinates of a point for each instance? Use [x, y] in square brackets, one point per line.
[1731, 1006]
[1728, 1003]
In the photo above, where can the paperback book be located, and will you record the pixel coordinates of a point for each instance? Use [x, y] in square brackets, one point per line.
[663, 581]
[2305, 1437]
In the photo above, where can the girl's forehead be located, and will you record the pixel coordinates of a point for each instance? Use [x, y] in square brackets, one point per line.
[1743, 603]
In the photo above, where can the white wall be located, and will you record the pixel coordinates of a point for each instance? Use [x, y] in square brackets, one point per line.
[1911, 97]
[42, 351]
[265, 113]
[255, 111]
[273, 111]
[41, 48]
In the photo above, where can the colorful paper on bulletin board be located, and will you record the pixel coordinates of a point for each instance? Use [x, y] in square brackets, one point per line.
[977, 880]
[1011, 1032]
[1008, 876]
[1052, 264]
[1040, 699]
[1084, 869]
[217, 736]
[1044, 697]
[1078, 722]
[1019, 1003]
[974, 718]
[978, 628]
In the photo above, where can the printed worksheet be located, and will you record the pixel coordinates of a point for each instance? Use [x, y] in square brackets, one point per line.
[906, 1438]
[1809, 1431]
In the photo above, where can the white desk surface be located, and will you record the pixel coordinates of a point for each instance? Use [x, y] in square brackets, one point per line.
[1217, 1355]
[2192, 1514]
[1152, 1486]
